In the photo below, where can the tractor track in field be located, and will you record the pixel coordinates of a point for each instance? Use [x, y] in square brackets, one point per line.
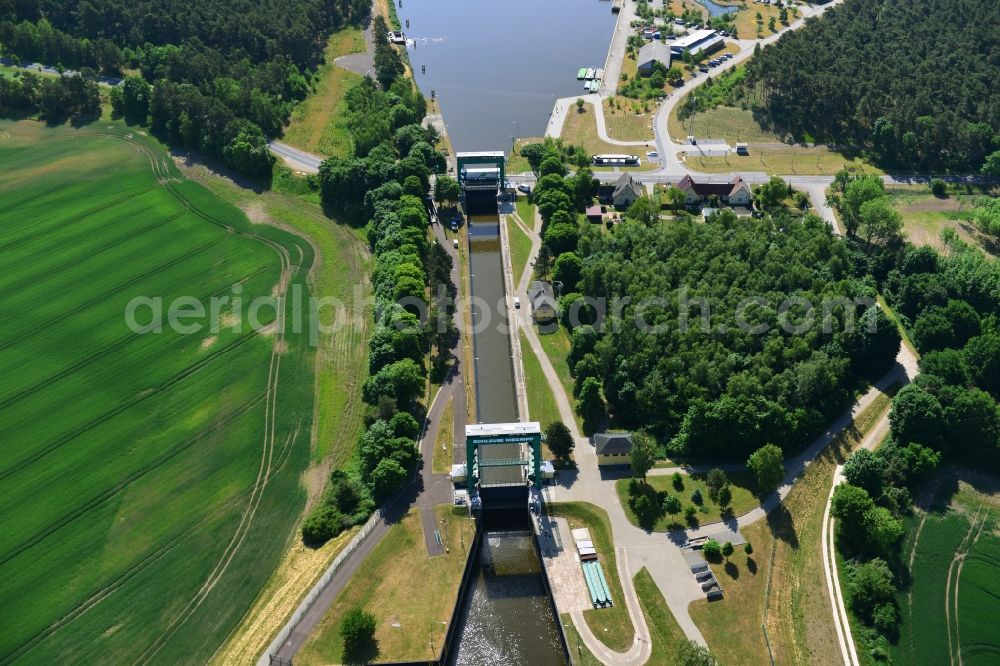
[43, 276]
[267, 460]
[32, 332]
[105, 592]
[270, 417]
[70, 221]
[956, 563]
[56, 188]
[68, 437]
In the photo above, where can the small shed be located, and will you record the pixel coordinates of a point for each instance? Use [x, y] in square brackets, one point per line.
[458, 474]
[548, 470]
[613, 448]
[543, 301]
[594, 214]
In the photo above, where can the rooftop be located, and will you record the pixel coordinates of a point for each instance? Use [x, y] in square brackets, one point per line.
[606, 443]
[692, 38]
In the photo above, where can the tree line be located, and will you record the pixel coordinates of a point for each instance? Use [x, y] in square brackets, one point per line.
[223, 75]
[911, 83]
[384, 185]
[52, 98]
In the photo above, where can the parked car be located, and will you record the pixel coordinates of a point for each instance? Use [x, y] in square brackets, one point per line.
[524, 188]
[517, 302]
[652, 154]
[454, 225]
[679, 21]
[454, 243]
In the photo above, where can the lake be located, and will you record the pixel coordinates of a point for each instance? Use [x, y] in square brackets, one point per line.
[497, 67]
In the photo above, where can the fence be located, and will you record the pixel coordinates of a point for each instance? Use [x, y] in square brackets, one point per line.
[269, 657]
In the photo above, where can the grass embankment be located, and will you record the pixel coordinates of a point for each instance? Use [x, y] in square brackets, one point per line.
[708, 512]
[445, 441]
[611, 625]
[629, 119]
[580, 129]
[664, 632]
[317, 123]
[520, 246]
[722, 122]
[962, 520]
[135, 464]
[410, 594]
[799, 621]
[556, 346]
[541, 404]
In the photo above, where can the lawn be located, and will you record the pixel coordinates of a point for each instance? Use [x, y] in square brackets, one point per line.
[611, 625]
[410, 594]
[151, 482]
[709, 512]
[722, 122]
[925, 216]
[445, 441]
[746, 20]
[581, 655]
[317, 123]
[580, 129]
[520, 246]
[541, 404]
[782, 160]
[798, 616]
[965, 522]
[556, 346]
[664, 632]
[629, 119]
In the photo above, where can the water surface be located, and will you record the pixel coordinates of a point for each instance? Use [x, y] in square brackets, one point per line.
[494, 64]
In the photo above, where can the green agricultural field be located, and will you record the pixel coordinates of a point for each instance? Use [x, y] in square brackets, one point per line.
[950, 613]
[150, 481]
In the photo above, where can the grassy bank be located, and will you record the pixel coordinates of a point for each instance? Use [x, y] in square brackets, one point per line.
[410, 594]
[708, 512]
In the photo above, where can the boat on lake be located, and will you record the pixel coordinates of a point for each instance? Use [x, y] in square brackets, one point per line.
[599, 74]
[590, 73]
[595, 85]
[581, 73]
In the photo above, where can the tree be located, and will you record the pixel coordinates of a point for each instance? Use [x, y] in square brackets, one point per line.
[357, 629]
[248, 151]
[676, 197]
[991, 165]
[559, 440]
[882, 530]
[591, 404]
[939, 188]
[865, 470]
[712, 550]
[643, 454]
[677, 481]
[858, 191]
[579, 104]
[725, 497]
[748, 548]
[772, 193]
[696, 497]
[870, 585]
[562, 237]
[446, 190]
[402, 380]
[714, 481]
[567, 270]
[982, 356]
[879, 222]
[727, 549]
[672, 505]
[551, 165]
[387, 477]
[916, 416]
[766, 466]
[643, 210]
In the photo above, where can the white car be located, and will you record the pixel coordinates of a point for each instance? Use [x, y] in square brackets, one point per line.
[454, 243]
[652, 154]
[517, 302]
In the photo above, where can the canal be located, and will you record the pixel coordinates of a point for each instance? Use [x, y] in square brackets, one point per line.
[498, 67]
[506, 616]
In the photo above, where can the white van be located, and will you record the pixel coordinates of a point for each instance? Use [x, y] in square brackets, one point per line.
[517, 302]
[455, 243]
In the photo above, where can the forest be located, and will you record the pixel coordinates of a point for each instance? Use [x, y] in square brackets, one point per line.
[223, 73]
[696, 365]
[913, 84]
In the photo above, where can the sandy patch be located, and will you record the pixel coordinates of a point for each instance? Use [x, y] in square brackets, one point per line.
[933, 204]
[208, 342]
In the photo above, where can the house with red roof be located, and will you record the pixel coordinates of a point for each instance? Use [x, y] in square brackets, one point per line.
[736, 192]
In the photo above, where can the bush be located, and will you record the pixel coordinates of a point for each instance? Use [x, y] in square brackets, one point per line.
[696, 497]
[671, 505]
[712, 550]
[938, 187]
[678, 481]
